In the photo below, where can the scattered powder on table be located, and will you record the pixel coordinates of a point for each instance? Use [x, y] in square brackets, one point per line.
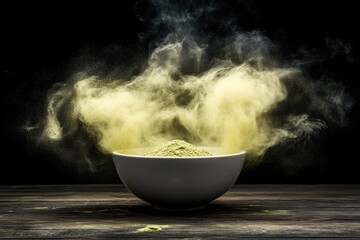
[178, 148]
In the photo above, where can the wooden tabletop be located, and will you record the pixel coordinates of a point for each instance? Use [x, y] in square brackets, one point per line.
[245, 211]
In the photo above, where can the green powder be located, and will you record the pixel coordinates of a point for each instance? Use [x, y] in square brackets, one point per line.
[178, 148]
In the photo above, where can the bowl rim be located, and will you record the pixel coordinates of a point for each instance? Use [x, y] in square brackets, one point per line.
[116, 153]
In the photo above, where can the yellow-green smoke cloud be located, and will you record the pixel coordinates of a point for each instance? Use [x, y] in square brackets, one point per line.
[225, 106]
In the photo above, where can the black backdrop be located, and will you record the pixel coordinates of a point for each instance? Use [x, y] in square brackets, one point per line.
[43, 44]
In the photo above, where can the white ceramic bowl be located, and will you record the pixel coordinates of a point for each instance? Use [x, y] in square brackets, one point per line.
[177, 183]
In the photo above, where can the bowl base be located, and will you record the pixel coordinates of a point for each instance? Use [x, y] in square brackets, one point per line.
[178, 208]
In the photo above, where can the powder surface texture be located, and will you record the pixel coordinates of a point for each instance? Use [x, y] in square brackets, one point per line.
[178, 148]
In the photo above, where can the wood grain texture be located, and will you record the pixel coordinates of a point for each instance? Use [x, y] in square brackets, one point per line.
[246, 211]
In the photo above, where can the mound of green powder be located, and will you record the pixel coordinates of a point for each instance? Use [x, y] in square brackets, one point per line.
[178, 148]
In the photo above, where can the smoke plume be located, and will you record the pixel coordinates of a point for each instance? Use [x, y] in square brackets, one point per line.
[227, 91]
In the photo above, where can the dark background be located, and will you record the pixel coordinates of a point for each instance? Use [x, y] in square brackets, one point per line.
[46, 43]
